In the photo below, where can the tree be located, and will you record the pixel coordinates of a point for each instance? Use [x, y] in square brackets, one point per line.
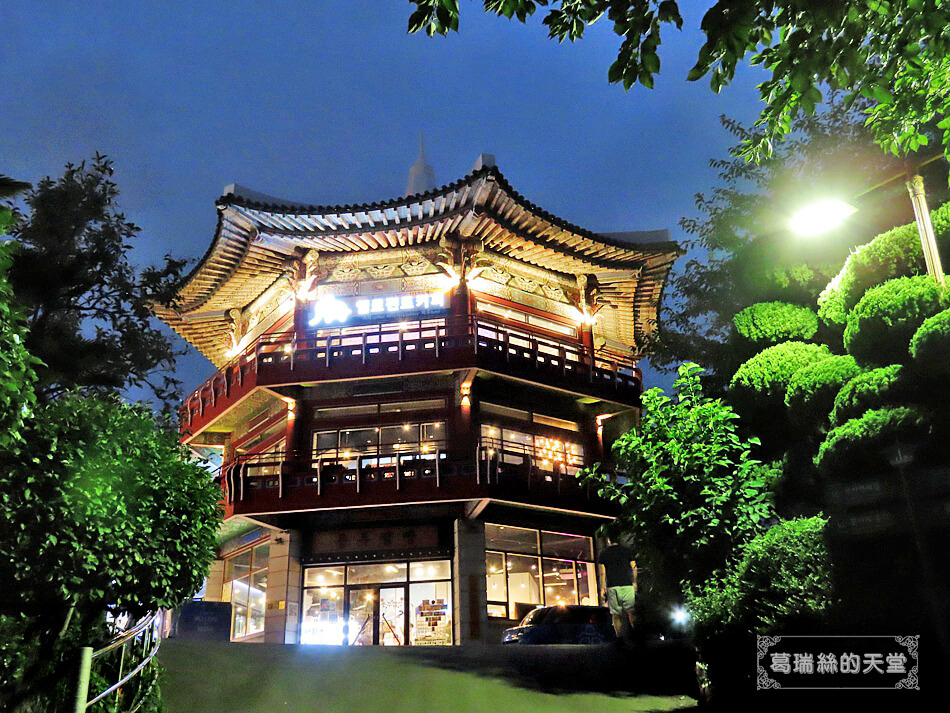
[87, 306]
[16, 364]
[690, 492]
[894, 52]
[101, 511]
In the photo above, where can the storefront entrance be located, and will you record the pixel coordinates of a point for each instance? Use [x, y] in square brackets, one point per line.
[377, 616]
[384, 604]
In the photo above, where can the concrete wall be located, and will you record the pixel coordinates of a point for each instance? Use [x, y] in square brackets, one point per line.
[469, 582]
[282, 619]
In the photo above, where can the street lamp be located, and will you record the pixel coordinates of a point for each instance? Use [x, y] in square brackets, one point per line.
[827, 214]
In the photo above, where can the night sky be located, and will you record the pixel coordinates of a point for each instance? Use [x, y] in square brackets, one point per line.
[325, 105]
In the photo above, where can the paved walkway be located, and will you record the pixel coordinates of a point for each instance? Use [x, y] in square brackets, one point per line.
[205, 677]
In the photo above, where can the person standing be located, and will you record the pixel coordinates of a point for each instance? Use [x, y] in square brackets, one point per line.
[618, 570]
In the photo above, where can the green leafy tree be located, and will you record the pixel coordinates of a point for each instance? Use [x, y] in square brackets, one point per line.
[690, 491]
[16, 364]
[894, 52]
[100, 511]
[87, 306]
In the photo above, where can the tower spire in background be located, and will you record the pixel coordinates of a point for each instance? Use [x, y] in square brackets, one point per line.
[421, 175]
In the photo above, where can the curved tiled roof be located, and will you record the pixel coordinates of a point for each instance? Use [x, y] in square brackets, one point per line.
[255, 238]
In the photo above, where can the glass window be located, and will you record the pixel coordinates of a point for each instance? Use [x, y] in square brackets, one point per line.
[376, 573]
[359, 439]
[246, 588]
[430, 612]
[499, 410]
[323, 576]
[524, 589]
[422, 405]
[435, 569]
[322, 621]
[433, 431]
[511, 539]
[495, 582]
[325, 440]
[406, 433]
[587, 583]
[575, 547]
[559, 584]
[334, 412]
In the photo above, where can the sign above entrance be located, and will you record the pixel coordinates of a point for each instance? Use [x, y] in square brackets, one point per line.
[329, 310]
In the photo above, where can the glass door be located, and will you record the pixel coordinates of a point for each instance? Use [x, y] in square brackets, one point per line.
[361, 622]
[392, 616]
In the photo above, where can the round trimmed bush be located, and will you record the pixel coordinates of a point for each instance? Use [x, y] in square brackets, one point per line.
[812, 389]
[881, 325]
[769, 323]
[930, 345]
[857, 445]
[763, 380]
[894, 253]
[871, 390]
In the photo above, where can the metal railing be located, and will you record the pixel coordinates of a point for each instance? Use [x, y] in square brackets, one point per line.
[135, 649]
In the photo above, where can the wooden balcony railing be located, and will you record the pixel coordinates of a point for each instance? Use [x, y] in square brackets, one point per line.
[474, 341]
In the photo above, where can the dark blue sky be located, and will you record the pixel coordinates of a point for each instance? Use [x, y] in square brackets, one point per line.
[324, 104]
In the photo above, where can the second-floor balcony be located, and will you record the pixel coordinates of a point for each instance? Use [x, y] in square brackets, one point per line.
[412, 347]
[326, 479]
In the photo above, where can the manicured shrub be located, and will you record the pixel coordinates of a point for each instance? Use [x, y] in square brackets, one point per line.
[761, 381]
[892, 254]
[871, 390]
[781, 578]
[930, 345]
[768, 323]
[812, 389]
[780, 584]
[858, 445]
[881, 325]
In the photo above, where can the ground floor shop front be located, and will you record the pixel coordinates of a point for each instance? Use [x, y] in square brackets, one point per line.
[436, 583]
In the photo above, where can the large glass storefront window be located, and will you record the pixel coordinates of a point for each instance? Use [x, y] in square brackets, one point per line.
[547, 454]
[385, 604]
[245, 586]
[380, 452]
[526, 568]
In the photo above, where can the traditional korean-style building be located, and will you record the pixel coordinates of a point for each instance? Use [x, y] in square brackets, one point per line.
[405, 391]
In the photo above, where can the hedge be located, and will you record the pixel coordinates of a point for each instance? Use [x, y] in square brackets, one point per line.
[769, 323]
[881, 325]
[930, 345]
[873, 389]
[812, 389]
[892, 254]
[858, 444]
[762, 380]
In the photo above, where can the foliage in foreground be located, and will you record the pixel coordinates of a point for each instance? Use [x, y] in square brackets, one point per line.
[692, 491]
[16, 364]
[100, 511]
[780, 582]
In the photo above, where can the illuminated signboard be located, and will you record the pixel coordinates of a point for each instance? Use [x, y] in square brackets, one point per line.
[329, 310]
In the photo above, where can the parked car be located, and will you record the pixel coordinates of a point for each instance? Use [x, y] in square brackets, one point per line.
[567, 624]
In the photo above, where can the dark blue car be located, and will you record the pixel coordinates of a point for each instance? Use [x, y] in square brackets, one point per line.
[570, 624]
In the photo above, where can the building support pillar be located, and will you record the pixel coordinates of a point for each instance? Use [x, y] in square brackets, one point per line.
[468, 584]
[282, 618]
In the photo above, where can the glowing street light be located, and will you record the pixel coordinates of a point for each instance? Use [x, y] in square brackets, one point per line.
[820, 217]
